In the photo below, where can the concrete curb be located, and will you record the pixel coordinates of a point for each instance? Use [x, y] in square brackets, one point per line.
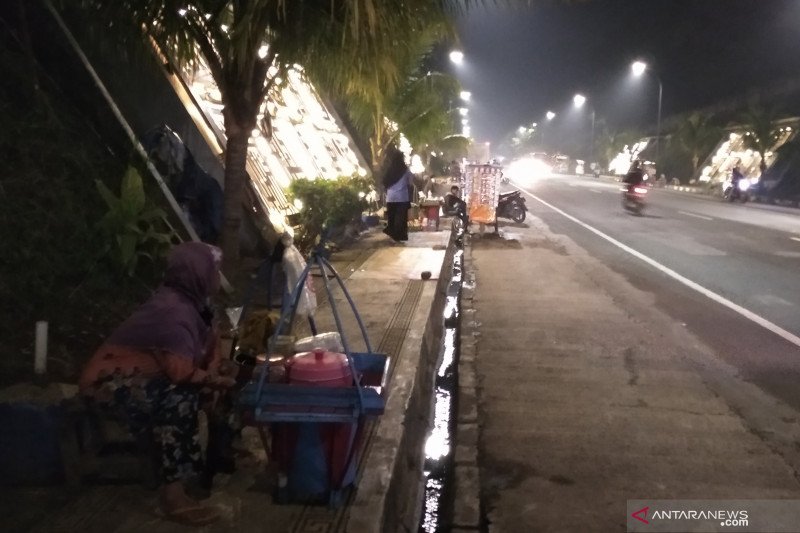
[389, 494]
[467, 502]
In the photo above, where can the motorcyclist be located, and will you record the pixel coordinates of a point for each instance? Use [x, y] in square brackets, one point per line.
[736, 177]
[635, 175]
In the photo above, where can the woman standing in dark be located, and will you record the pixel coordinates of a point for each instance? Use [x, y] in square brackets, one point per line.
[397, 180]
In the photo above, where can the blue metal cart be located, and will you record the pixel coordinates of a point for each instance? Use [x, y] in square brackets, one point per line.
[306, 410]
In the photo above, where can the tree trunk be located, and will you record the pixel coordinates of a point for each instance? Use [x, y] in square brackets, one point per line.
[235, 182]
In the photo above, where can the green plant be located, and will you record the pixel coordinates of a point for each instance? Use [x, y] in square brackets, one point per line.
[133, 226]
[49, 208]
[327, 204]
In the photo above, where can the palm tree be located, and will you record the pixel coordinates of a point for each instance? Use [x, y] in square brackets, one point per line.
[248, 45]
[418, 109]
[762, 131]
[608, 143]
[413, 98]
[697, 136]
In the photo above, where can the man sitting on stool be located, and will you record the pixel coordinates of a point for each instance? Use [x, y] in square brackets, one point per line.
[454, 205]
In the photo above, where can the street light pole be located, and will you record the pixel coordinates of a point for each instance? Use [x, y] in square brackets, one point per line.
[549, 116]
[591, 146]
[638, 68]
[578, 100]
[658, 127]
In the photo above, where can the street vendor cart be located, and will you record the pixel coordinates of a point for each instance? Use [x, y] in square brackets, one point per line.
[480, 184]
[315, 402]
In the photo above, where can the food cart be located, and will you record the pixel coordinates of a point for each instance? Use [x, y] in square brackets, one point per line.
[480, 186]
[316, 424]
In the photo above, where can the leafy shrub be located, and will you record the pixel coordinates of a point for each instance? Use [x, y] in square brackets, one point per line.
[133, 227]
[327, 204]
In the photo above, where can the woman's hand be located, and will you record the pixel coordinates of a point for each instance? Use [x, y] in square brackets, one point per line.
[217, 381]
[228, 368]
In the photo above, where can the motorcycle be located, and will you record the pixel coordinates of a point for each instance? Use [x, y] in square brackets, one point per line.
[633, 198]
[512, 205]
[740, 193]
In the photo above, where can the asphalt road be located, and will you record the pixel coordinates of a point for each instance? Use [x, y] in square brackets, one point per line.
[728, 272]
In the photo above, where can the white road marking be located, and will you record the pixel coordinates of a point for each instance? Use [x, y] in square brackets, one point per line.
[795, 239]
[746, 313]
[595, 190]
[695, 215]
[768, 299]
[792, 255]
[686, 244]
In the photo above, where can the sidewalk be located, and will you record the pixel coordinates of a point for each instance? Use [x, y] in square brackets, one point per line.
[395, 305]
[589, 396]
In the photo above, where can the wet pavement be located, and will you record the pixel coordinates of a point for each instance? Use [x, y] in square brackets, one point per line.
[589, 395]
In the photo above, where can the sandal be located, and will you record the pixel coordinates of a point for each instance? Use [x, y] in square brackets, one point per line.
[191, 516]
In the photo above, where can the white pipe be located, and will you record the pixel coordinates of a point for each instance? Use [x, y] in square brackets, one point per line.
[40, 357]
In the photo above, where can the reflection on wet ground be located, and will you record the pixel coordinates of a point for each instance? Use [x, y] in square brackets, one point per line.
[439, 445]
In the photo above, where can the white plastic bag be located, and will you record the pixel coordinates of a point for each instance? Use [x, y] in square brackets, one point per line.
[234, 315]
[293, 266]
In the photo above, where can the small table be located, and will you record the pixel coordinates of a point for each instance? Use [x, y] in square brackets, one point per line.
[430, 209]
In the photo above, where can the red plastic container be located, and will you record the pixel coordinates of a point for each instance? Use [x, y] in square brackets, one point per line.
[320, 368]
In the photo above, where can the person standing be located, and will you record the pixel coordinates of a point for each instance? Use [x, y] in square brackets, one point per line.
[397, 180]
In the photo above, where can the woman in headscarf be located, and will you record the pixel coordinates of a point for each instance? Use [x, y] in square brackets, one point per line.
[151, 369]
[397, 181]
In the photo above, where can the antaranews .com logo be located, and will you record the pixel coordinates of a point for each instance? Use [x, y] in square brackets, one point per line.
[678, 516]
[726, 518]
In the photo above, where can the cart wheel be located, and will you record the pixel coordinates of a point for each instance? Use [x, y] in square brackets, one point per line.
[336, 498]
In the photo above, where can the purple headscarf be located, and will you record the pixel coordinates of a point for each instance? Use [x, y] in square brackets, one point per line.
[176, 318]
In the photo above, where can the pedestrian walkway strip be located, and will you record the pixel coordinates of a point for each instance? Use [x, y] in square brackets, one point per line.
[321, 519]
[746, 313]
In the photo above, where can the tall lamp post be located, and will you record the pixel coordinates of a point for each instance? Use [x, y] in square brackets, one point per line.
[550, 115]
[579, 100]
[639, 68]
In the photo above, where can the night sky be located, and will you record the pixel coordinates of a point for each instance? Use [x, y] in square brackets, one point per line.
[522, 61]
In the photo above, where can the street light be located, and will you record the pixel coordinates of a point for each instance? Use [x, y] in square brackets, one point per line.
[457, 57]
[579, 100]
[463, 111]
[639, 68]
[550, 115]
[465, 95]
